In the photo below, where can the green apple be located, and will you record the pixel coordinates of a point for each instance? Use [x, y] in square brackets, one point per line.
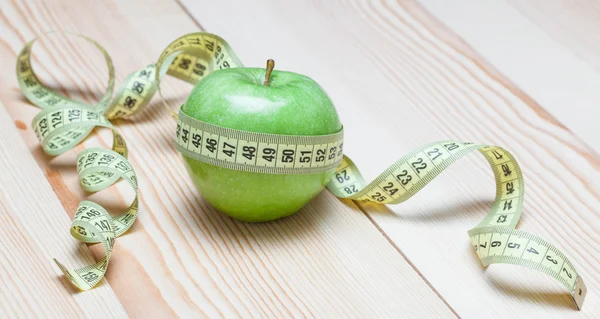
[266, 101]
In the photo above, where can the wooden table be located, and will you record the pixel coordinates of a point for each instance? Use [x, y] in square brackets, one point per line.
[520, 74]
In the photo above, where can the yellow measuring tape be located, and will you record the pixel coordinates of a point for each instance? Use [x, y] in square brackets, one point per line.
[63, 123]
[257, 152]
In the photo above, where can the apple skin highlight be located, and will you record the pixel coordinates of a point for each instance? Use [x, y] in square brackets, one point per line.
[292, 104]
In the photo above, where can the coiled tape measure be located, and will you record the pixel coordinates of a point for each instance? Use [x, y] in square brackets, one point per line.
[64, 123]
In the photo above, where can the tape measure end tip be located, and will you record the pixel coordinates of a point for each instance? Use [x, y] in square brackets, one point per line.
[579, 292]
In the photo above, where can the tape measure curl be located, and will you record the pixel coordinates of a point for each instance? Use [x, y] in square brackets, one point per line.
[64, 123]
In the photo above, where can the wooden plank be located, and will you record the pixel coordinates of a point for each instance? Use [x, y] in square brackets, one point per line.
[549, 49]
[573, 23]
[401, 79]
[35, 230]
[182, 258]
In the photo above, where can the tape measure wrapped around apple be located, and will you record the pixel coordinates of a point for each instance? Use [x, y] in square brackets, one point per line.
[262, 176]
[259, 144]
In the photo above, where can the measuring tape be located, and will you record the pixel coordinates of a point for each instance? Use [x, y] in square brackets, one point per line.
[64, 123]
[257, 152]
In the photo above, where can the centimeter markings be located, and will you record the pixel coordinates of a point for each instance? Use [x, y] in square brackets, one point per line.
[495, 240]
[64, 123]
[192, 56]
[257, 152]
[415, 170]
[514, 246]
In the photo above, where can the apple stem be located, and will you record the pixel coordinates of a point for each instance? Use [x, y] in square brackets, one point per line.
[270, 67]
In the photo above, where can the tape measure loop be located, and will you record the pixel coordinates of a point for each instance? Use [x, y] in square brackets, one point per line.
[41, 95]
[191, 57]
[92, 224]
[64, 123]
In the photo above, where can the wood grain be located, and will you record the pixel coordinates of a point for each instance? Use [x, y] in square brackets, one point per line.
[545, 49]
[400, 77]
[34, 230]
[573, 23]
[182, 258]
